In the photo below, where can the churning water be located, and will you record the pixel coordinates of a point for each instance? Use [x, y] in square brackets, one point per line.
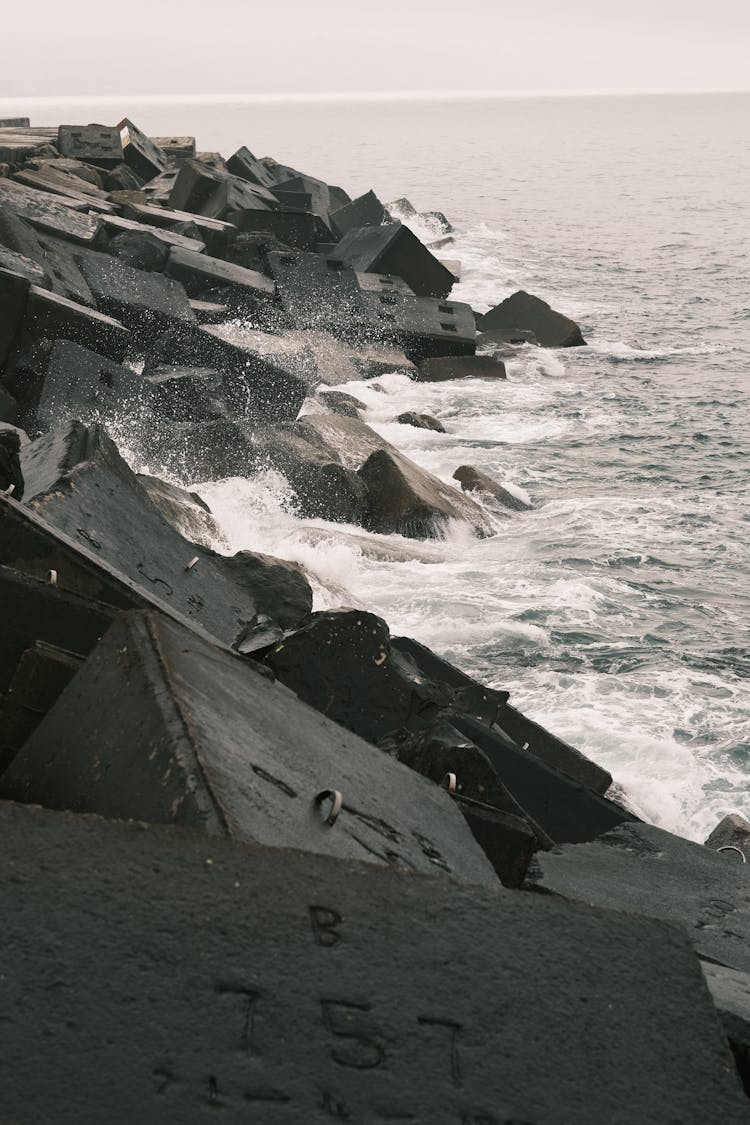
[616, 611]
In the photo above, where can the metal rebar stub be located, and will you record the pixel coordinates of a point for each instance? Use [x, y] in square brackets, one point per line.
[449, 782]
[336, 803]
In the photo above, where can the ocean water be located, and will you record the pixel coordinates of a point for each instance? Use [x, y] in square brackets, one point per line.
[617, 610]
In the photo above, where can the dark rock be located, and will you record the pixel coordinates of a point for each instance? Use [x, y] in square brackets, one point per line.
[466, 694]
[644, 870]
[92, 144]
[248, 167]
[185, 511]
[17, 263]
[77, 481]
[240, 1023]
[52, 317]
[195, 736]
[209, 312]
[366, 211]
[421, 421]
[324, 488]
[11, 475]
[42, 673]
[525, 313]
[341, 403]
[435, 369]
[144, 302]
[393, 249]
[140, 250]
[14, 295]
[140, 153]
[252, 250]
[47, 213]
[733, 834]
[474, 480]
[208, 450]
[437, 219]
[198, 271]
[404, 499]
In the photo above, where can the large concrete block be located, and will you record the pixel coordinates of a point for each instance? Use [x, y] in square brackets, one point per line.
[176, 148]
[51, 316]
[299, 230]
[40, 676]
[118, 224]
[50, 213]
[141, 153]
[197, 737]
[644, 870]
[14, 295]
[422, 326]
[215, 233]
[93, 144]
[248, 167]
[14, 262]
[77, 482]
[730, 992]
[523, 313]
[199, 272]
[436, 369]
[198, 978]
[213, 192]
[319, 192]
[318, 293]
[48, 178]
[393, 249]
[366, 211]
[142, 301]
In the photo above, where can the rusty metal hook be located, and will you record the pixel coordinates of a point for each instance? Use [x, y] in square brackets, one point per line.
[337, 802]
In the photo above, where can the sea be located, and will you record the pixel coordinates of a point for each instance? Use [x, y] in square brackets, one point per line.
[617, 610]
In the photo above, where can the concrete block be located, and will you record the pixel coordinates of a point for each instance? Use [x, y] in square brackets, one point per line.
[436, 369]
[100, 145]
[49, 213]
[644, 870]
[209, 312]
[507, 840]
[732, 833]
[118, 224]
[159, 189]
[51, 316]
[393, 249]
[309, 989]
[47, 176]
[248, 167]
[730, 992]
[214, 233]
[318, 191]
[77, 481]
[187, 394]
[522, 313]
[422, 326]
[223, 762]
[212, 192]
[13, 262]
[8, 406]
[299, 230]
[142, 301]
[176, 148]
[366, 211]
[199, 272]
[185, 511]
[14, 123]
[42, 673]
[317, 292]
[11, 476]
[139, 250]
[14, 295]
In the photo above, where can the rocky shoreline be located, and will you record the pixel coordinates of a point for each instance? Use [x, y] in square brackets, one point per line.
[260, 860]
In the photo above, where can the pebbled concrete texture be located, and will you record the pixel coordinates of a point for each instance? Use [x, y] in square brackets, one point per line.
[639, 868]
[174, 979]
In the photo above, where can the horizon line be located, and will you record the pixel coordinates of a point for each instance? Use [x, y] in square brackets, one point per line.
[371, 95]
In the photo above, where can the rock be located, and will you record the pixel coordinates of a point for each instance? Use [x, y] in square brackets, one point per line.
[195, 736]
[18, 263]
[393, 249]
[185, 511]
[11, 476]
[733, 832]
[271, 932]
[421, 421]
[140, 153]
[49, 213]
[644, 870]
[14, 295]
[317, 293]
[324, 487]
[366, 211]
[52, 317]
[402, 207]
[474, 480]
[525, 313]
[144, 302]
[42, 673]
[437, 220]
[188, 394]
[77, 481]
[436, 369]
[341, 403]
[406, 500]
[206, 450]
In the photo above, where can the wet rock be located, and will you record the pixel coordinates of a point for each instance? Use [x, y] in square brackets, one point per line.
[317, 292]
[437, 220]
[366, 211]
[525, 313]
[404, 499]
[733, 832]
[341, 403]
[393, 249]
[474, 480]
[508, 841]
[421, 421]
[324, 487]
[8, 407]
[77, 481]
[644, 870]
[436, 369]
[553, 751]
[216, 757]
[188, 394]
[376, 944]
[185, 511]
[420, 326]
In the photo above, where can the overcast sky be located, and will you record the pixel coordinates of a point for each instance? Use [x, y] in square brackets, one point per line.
[78, 47]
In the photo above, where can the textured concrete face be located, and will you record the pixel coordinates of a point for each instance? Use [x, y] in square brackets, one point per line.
[642, 869]
[164, 727]
[180, 980]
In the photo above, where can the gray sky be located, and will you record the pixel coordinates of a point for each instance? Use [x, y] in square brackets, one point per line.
[78, 47]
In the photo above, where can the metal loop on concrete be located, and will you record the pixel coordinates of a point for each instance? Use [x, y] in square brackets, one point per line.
[52, 576]
[8, 491]
[336, 802]
[449, 782]
[192, 563]
[732, 848]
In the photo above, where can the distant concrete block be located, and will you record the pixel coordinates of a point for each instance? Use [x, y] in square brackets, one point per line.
[92, 144]
[140, 153]
[393, 249]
